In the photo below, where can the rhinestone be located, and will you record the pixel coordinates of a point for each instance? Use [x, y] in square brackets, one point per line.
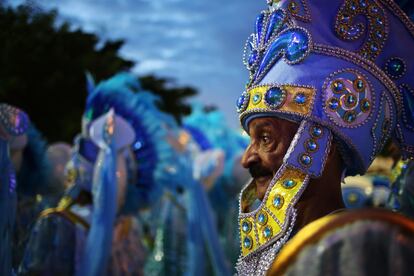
[305, 159]
[274, 97]
[252, 58]
[300, 98]
[395, 67]
[256, 98]
[247, 243]
[374, 48]
[373, 9]
[262, 218]
[278, 201]
[240, 102]
[333, 103]
[289, 183]
[246, 226]
[349, 116]
[338, 86]
[350, 100]
[365, 105]
[311, 145]
[363, 4]
[359, 85]
[267, 232]
[379, 34]
[316, 131]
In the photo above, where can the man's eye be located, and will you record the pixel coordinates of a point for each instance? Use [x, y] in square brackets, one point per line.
[265, 139]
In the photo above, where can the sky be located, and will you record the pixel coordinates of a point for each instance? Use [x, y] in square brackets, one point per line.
[197, 42]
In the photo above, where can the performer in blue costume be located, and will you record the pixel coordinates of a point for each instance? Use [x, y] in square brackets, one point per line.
[210, 132]
[13, 125]
[330, 83]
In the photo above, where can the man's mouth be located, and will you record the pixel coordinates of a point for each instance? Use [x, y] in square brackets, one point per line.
[259, 172]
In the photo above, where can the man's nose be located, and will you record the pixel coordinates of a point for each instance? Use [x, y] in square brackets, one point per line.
[250, 156]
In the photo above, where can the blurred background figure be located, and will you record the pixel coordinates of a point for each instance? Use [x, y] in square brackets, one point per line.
[13, 125]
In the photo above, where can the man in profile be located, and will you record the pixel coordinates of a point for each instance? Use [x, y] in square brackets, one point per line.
[326, 91]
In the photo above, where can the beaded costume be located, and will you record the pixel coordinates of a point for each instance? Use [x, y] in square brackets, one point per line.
[343, 71]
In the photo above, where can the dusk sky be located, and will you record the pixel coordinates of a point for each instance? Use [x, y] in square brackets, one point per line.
[196, 42]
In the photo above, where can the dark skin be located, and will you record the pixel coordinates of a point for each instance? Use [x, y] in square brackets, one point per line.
[270, 138]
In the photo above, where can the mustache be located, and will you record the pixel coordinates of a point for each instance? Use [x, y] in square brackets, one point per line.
[257, 170]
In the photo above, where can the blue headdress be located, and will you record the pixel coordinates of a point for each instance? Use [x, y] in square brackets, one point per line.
[151, 150]
[343, 71]
[13, 123]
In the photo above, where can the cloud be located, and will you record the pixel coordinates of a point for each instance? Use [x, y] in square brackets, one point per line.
[197, 42]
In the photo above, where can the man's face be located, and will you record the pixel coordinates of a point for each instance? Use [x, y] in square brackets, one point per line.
[269, 140]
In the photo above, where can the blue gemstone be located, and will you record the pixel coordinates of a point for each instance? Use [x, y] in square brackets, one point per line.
[300, 98]
[374, 48]
[275, 23]
[345, 18]
[338, 86]
[278, 201]
[379, 34]
[349, 117]
[379, 21]
[261, 218]
[256, 98]
[311, 145]
[305, 159]
[316, 131]
[350, 99]
[247, 242]
[363, 4]
[259, 27]
[374, 9]
[267, 232]
[365, 105]
[240, 102]
[289, 183]
[252, 57]
[246, 227]
[274, 96]
[360, 85]
[333, 103]
[395, 67]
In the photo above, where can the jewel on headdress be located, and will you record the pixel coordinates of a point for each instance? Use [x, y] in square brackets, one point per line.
[305, 160]
[247, 243]
[359, 85]
[395, 67]
[333, 103]
[349, 116]
[256, 98]
[311, 145]
[350, 100]
[278, 201]
[262, 218]
[242, 102]
[289, 183]
[365, 105]
[267, 232]
[292, 44]
[338, 86]
[259, 27]
[275, 97]
[316, 132]
[276, 20]
[246, 226]
[300, 98]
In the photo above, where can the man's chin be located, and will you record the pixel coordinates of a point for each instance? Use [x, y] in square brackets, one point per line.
[261, 185]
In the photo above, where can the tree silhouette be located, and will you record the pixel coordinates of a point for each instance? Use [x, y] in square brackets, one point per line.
[172, 97]
[43, 65]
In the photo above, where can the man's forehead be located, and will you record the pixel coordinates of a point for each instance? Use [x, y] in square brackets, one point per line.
[260, 123]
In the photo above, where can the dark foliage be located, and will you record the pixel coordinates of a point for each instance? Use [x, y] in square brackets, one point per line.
[42, 68]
